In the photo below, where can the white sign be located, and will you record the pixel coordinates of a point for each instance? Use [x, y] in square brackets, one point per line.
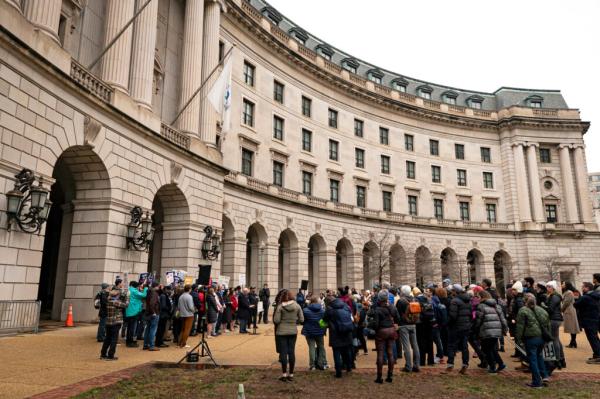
[259, 307]
[224, 280]
[243, 279]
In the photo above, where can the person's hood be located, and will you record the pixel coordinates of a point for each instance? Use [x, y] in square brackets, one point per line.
[594, 294]
[490, 302]
[315, 307]
[289, 305]
[464, 297]
[337, 303]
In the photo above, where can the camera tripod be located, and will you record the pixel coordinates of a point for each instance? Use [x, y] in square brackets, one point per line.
[202, 347]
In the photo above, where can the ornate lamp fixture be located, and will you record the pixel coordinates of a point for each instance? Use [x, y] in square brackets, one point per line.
[139, 231]
[211, 246]
[28, 205]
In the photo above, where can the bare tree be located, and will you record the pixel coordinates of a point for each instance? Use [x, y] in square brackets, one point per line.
[551, 265]
[379, 260]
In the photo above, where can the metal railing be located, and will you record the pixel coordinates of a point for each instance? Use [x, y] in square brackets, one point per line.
[19, 316]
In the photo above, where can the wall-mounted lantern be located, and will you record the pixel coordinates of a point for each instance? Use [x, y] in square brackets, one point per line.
[28, 205]
[211, 245]
[139, 230]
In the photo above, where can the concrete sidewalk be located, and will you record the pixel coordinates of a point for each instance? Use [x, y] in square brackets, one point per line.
[31, 364]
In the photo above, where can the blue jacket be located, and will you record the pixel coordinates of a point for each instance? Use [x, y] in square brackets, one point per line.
[336, 310]
[135, 301]
[312, 314]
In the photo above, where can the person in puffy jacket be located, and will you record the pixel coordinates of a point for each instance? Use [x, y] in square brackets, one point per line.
[384, 320]
[553, 307]
[491, 325]
[589, 317]
[288, 314]
[459, 328]
[338, 317]
[134, 309]
[531, 321]
[313, 332]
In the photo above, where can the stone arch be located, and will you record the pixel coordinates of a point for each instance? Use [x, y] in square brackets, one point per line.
[79, 218]
[171, 222]
[343, 262]
[502, 271]
[475, 262]
[371, 265]
[398, 266]
[317, 263]
[450, 266]
[256, 262]
[423, 266]
[287, 259]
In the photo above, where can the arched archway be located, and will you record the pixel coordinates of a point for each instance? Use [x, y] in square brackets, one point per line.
[502, 271]
[423, 266]
[79, 174]
[170, 219]
[256, 263]
[397, 264]
[228, 249]
[287, 259]
[450, 266]
[343, 251]
[317, 252]
[371, 265]
[474, 263]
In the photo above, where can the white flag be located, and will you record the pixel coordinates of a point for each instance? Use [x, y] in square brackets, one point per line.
[220, 96]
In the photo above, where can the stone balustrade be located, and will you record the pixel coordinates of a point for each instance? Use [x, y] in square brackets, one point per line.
[175, 136]
[90, 82]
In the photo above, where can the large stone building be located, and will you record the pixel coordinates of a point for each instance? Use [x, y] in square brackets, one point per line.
[595, 194]
[333, 170]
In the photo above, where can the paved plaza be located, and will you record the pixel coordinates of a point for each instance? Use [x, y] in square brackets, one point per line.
[32, 364]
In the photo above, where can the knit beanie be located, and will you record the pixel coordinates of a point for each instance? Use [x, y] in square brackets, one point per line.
[383, 296]
[405, 290]
[553, 284]
[416, 291]
[518, 286]
[457, 288]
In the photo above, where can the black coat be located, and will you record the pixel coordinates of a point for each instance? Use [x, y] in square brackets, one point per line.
[587, 309]
[332, 314]
[212, 311]
[460, 316]
[166, 306]
[243, 312]
[553, 303]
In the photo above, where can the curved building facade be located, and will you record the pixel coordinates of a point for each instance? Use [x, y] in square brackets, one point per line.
[331, 169]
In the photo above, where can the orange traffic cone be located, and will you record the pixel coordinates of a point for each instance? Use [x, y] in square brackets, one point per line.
[69, 321]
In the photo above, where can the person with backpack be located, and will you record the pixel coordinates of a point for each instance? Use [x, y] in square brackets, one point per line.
[166, 310]
[133, 311]
[115, 304]
[459, 328]
[384, 321]
[151, 316]
[288, 314]
[553, 307]
[100, 303]
[409, 310]
[491, 325]
[338, 317]
[440, 323]
[313, 332]
[533, 331]
[425, 328]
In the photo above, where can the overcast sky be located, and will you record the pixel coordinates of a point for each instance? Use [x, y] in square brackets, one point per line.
[472, 44]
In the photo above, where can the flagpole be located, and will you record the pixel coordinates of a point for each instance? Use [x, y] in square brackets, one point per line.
[203, 84]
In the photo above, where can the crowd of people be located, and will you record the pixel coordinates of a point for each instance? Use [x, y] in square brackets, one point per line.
[423, 326]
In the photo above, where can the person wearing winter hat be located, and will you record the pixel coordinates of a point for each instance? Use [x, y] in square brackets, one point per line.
[516, 304]
[553, 306]
[459, 328]
[408, 332]
[541, 293]
[100, 304]
[384, 319]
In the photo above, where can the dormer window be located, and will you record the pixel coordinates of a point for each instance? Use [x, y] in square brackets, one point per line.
[299, 34]
[424, 92]
[399, 85]
[475, 102]
[350, 64]
[534, 101]
[375, 75]
[324, 51]
[449, 97]
[272, 15]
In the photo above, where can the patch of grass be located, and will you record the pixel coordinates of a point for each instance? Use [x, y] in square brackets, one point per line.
[263, 383]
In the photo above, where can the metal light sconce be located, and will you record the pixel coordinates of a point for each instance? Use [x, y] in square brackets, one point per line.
[211, 245]
[28, 206]
[139, 230]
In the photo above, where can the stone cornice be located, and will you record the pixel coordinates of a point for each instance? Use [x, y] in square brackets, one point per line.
[361, 88]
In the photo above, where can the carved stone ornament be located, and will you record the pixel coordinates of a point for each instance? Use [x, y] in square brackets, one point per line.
[259, 215]
[290, 222]
[318, 228]
[175, 172]
[91, 128]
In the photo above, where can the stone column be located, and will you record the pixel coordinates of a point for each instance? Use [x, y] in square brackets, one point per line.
[298, 266]
[522, 190]
[16, 4]
[116, 61]
[326, 268]
[44, 14]
[534, 184]
[142, 62]
[566, 172]
[210, 47]
[582, 186]
[191, 63]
